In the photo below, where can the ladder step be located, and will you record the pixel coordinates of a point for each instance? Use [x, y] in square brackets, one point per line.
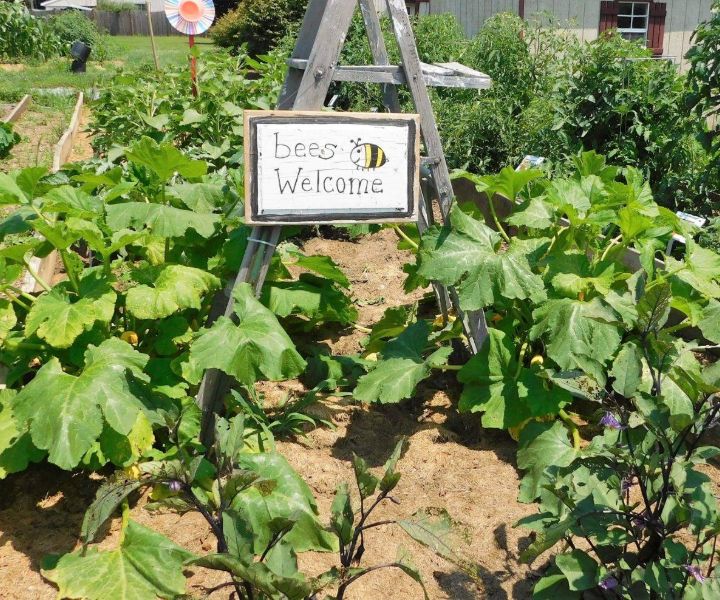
[452, 75]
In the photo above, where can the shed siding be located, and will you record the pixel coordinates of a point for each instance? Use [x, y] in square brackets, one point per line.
[582, 17]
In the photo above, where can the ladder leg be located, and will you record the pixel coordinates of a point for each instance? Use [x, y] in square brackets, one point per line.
[302, 90]
[379, 51]
[474, 323]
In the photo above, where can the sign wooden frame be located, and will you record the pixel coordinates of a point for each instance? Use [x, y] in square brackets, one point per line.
[407, 212]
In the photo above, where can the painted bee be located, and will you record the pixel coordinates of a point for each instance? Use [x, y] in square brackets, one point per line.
[367, 156]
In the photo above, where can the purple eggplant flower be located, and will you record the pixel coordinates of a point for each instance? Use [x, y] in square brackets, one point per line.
[626, 484]
[610, 421]
[609, 583]
[175, 486]
[694, 570]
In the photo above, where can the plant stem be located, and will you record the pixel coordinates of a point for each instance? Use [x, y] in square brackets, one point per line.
[573, 428]
[72, 276]
[682, 325]
[521, 358]
[124, 520]
[405, 237]
[500, 229]
[24, 345]
[450, 367]
[14, 298]
[19, 292]
[611, 245]
[34, 274]
[361, 328]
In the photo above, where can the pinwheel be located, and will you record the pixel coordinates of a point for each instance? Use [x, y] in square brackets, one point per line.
[191, 17]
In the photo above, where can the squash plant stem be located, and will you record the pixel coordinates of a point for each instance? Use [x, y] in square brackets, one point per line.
[572, 426]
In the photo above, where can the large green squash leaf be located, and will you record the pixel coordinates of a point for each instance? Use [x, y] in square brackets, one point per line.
[163, 221]
[701, 270]
[177, 287]
[579, 334]
[16, 448]
[469, 247]
[506, 393]
[402, 368]
[257, 347]
[60, 316]
[448, 253]
[199, 197]
[164, 159]
[288, 498]
[316, 298]
[146, 566]
[66, 411]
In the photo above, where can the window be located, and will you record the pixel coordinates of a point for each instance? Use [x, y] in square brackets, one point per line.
[644, 21]
[632, 20]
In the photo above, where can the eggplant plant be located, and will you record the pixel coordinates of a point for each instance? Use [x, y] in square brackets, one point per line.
[261, 513]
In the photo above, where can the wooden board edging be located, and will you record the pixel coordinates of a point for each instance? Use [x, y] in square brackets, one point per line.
[64, 146]
[45, 267]
[19, 109]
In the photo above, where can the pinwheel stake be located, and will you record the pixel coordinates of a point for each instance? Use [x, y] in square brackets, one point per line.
[191, 17]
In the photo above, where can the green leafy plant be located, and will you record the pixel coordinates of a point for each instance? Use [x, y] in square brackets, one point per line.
[560, 292]
[582, 304]
[161, 106]
[622, 104]
[145, 246]
[25, 36]
[636, 510]
[257, 25]
[8, 139]
[71, 26]
[703, 96]
[710, 235]
[350, 525]
[287, 417]
[259, 510]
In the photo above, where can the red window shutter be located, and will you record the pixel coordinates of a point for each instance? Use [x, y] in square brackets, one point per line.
[656, 27]
[608, 15]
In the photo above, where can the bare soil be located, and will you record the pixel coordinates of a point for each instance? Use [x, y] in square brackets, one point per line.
[40, 129]
[82, 149]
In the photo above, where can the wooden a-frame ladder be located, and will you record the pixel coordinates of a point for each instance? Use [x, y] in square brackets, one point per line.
[311, 69]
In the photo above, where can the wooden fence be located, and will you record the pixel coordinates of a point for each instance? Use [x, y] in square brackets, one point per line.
[132, 22]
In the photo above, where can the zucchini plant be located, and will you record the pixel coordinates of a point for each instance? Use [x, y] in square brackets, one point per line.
[95, 358]
[560, 280]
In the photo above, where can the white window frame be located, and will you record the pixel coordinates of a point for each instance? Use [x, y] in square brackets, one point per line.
[634, 31]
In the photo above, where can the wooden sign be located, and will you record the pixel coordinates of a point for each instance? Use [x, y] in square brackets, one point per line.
[326, 167]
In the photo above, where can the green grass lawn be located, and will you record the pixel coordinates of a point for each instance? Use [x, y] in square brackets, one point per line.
[123, 50]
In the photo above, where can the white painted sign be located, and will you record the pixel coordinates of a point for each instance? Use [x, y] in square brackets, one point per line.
[325, 167]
